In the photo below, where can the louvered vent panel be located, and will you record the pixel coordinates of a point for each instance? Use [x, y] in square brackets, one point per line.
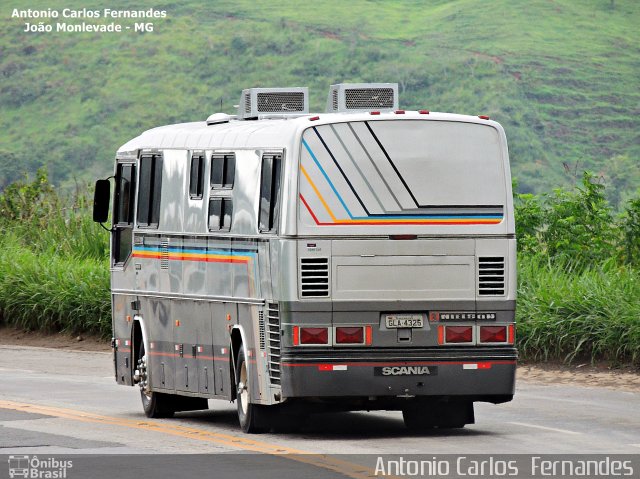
[314, 277]
[284, 102]
[247, 103]
[491, 276]
[261, 330]
[359, 98]
[164, 254]
[334, 99]
[273, 336]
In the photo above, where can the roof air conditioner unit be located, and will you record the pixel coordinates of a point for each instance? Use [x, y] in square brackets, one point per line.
[256, 102]
[345, 97]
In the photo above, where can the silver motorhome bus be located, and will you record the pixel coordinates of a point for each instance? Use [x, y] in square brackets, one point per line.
[358, 259]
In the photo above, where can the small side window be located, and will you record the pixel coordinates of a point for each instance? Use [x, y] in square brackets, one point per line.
[269, 192]
[220, 214]
[223, 170]
[149, 190]
[196, 180]
[125, 187]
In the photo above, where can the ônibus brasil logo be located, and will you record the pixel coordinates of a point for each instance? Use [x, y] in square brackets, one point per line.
[34, 468]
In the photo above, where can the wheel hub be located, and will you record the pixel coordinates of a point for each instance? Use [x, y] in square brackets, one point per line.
[140, 375]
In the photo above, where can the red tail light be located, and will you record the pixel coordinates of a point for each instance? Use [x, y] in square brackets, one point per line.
[349, 335]
[314, 335]
[458, 334]
[512, 333]
[296, 335]
[493, 334]
[440, 334]
[369, 335]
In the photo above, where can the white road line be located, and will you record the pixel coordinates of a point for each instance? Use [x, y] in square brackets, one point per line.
[564, 431]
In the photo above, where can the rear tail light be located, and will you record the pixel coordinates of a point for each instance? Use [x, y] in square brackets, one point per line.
[296, 335]
[458, 334]
[493, 334]
[314, 335]
[512, 333]
[349, 335]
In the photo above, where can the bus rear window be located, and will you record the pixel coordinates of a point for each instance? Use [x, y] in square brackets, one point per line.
[410, 172]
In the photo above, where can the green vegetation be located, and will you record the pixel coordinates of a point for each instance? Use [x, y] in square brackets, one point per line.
[562, 76]
[578, 275]
[579, 269]
[54, 271]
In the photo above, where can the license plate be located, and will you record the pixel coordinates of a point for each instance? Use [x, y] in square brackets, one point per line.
[404, 321]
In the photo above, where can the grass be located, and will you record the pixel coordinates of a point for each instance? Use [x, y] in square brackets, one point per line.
[564, 314]
[560, 76]
[50, 292]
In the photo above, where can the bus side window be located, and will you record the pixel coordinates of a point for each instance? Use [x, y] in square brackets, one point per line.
[223, 170]
[196, 180]
[123, 212]
[269, 192]
[220, 214]
[149, 191]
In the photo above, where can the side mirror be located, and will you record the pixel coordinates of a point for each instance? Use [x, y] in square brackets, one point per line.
[101, 199]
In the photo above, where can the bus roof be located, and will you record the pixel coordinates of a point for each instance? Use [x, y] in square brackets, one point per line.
[269, 132]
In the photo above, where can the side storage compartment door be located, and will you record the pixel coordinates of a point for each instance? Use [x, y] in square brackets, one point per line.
[187, 316]
[160, 330]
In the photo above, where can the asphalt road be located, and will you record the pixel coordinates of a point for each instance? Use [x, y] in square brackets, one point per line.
[63, 402]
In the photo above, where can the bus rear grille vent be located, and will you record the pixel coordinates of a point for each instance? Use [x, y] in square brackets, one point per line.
[261, 330]
[247, 103]
[314, 277]
[334, 99]
[273, 334]
[164, 254]
[364, 98]
[491, 276]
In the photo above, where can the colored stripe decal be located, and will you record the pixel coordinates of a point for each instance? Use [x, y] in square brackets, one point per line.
[384, 180]
[357, 167]
[202, 254]
[393, 165]
[381, 219]
[406, 216]
[335, 162]
[326, 177]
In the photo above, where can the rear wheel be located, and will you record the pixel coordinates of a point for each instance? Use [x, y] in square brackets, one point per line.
[252, 417]
[445, 415]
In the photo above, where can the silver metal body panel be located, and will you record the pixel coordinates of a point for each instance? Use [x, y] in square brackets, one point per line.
[192, 287]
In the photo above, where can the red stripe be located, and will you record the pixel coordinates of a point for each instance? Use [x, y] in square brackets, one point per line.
[311, 212]
[484, 365]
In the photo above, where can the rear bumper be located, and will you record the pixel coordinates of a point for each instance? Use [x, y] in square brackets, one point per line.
[474, 373]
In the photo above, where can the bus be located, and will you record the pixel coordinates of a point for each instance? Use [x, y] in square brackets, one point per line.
[362, 258]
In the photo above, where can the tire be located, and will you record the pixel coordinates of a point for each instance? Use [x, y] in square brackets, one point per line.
[444, 415]
[154, 404]
[252, 417]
